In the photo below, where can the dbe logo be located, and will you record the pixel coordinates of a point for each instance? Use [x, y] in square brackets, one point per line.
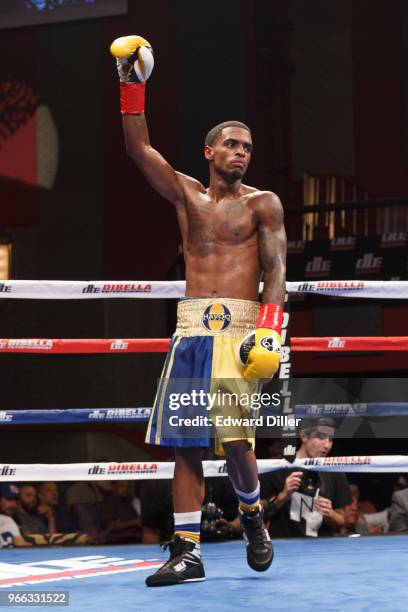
[216, 318]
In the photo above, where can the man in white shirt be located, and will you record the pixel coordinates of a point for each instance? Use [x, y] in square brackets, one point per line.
[8, 505]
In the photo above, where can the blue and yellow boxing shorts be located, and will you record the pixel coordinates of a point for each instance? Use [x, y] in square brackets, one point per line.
[202, 393]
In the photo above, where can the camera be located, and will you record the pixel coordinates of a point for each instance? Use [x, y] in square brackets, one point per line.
[210, 514]
[310, 483]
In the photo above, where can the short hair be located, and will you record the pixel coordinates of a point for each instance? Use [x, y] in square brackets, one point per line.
[309, 425]
[216, 131]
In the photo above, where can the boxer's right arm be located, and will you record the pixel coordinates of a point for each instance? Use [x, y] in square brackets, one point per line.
[152, 164]
[134, 58]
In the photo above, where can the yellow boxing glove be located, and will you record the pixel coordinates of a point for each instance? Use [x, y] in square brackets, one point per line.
[134, 61]
[260, 351]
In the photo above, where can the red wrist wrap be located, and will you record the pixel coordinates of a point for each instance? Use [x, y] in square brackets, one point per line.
[271, 317]
[132, 98]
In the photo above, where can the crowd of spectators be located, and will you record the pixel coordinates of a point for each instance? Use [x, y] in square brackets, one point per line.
[297, 503]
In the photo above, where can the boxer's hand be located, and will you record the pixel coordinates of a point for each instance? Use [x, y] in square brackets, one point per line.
[134, 58]
[263, 359]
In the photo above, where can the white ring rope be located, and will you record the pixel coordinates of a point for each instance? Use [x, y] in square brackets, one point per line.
[77, 290]
[161, 470]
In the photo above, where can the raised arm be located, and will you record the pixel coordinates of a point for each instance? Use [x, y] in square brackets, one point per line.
[151, 163]
[134, 59]
[272, 249]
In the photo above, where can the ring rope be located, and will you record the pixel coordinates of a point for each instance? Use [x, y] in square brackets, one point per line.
[161, 470]
[75, 290]
[70, 416]
[161, 345]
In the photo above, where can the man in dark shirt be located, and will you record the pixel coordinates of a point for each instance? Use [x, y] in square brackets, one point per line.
[292, 513]
[118, 516]
[49, 503]
[28, 518]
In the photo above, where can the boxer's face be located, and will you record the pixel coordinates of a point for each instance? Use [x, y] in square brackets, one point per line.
[319, 443]
[231, 152]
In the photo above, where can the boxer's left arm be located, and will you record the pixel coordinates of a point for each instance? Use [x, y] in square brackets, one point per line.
[264, 357]
[272, 248]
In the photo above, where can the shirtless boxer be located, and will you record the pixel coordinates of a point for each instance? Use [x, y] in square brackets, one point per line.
[232, 235]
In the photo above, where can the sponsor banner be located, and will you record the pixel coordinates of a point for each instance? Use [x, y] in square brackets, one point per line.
[74, 415]
[351, 343]
[381, 257]
[368, 264]
[26, 344]
[296, 247]
[165, 470]
[393, 240]
[83, 346]
[318, 267]
[161, 345]
[352, 288]
[141, 415]
[74, 290]
[343, 243]
[372, 409]
[377, 464]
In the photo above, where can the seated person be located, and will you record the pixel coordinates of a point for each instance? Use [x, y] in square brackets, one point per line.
[28, 518]
[82, 499]
[294, 510]
[118, 517]
[8, 505]
[398, 516]
[49, 502]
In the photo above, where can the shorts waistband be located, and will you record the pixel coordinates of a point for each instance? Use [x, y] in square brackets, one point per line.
[209, 317]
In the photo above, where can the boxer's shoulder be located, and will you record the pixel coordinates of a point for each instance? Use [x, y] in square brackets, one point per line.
[266, 204]
[190, 184]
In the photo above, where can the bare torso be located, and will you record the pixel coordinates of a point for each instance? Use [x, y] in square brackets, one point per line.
[220, 243]
[231, 232]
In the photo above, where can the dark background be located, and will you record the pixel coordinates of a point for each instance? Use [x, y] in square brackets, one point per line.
[324, 87]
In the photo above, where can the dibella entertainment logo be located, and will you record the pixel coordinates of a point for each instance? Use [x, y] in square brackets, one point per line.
[322, 461]
[331, 286]
[118, 288]
[336, 343]
[393, 240]
[123, 468]
[368, 264]
[318, 267]
[16, 574]
[343, 243]
[296, 246]
[40, 344]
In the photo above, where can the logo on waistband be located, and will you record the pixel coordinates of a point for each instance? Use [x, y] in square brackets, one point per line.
[216, 318]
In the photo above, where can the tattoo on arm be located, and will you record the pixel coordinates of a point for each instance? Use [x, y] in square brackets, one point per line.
[272, 255]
